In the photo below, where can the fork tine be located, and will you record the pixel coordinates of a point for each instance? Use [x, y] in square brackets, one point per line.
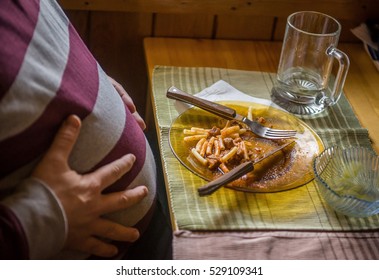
[279, 134]
[276, 137]
[281, 130]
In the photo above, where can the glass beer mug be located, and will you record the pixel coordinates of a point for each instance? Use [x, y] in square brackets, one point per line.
[306, 61]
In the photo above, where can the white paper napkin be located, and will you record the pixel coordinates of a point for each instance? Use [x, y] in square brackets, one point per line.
[222, 91]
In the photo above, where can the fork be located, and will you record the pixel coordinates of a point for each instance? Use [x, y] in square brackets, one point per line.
[229, 113]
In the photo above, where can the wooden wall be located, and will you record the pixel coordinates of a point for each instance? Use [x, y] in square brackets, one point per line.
[114, 29]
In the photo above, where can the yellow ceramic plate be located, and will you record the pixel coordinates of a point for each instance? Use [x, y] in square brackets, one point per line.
[284, 171]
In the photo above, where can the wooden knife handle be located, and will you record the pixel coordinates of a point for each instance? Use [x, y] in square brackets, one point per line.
[212, 107]
[226, 178]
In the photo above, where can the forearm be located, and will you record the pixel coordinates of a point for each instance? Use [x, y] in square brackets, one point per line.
[13, 243]
[32, 223]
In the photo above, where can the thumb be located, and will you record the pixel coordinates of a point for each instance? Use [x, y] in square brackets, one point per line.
[65, 139]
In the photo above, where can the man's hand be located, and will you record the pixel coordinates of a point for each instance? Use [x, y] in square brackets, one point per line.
[128, 102]
[81, 196]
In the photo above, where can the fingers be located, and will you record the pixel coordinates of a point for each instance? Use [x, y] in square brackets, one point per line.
[65, 139]
[124, 95]
[110, 173]
[106, 230]
[128, 102]
[96, 247]
[113, 231]
[113, 202]
[139, 120]
[91, 241]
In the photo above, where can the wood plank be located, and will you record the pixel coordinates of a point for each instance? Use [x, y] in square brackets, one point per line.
[183, 25]
[244, 27]
[116, 40]
[346, 34]
[233, 54]
[80, 20]
[342, 9]
[346, 26]
[280, 29]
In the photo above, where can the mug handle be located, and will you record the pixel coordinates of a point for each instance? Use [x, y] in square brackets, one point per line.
[344, 64]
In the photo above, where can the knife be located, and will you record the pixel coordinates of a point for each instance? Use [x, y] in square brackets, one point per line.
[235, 173]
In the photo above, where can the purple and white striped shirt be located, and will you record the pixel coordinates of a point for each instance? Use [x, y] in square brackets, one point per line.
[46, 74]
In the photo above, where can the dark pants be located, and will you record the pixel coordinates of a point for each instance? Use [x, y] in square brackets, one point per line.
[156, 242]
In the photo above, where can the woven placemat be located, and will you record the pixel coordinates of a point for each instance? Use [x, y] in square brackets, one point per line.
[298, 209]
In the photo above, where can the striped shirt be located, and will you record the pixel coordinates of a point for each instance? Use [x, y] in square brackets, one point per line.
[46, 74]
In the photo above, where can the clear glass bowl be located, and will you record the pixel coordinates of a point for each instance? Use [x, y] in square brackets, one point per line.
[348, 180]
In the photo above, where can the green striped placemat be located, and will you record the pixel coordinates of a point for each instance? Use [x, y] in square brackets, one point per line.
[298, 209]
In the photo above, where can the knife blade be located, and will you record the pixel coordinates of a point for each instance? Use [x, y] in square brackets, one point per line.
[236, 173]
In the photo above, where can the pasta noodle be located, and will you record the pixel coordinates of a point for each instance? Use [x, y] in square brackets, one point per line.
[199, 144]
[250, 113]
[202, 160]
[194, 138]
[221, 149]
[229, 155]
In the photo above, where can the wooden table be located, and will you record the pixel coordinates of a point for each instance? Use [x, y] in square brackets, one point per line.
[361, 87]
